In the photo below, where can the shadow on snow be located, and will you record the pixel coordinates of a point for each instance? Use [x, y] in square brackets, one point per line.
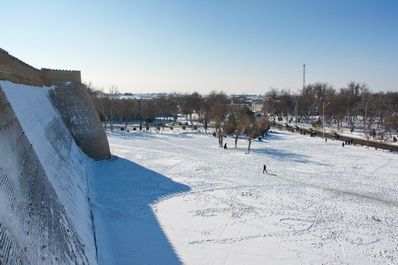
[282, 154]
[127, 230]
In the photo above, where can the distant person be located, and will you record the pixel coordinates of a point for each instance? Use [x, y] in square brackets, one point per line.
[225, 146]
[265, 169]
[342, 144]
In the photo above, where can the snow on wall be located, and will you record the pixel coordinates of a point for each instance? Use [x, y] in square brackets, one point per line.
[44, 206]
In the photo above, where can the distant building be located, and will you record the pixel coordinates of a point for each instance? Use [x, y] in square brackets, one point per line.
[257, 106]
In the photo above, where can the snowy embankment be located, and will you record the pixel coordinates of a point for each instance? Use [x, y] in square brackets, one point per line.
[179, 198]
[58, 202]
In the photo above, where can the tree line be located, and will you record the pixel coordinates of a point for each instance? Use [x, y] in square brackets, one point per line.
[215, 109]
[354, 106]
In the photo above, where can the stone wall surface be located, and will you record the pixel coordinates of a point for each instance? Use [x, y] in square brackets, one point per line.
[55, 77]
[79, 115]
[16, 71]
[37, 225]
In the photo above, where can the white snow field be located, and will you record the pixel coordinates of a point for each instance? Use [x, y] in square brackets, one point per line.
[179, 198]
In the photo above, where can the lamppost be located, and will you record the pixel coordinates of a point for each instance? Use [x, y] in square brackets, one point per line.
[323, 118]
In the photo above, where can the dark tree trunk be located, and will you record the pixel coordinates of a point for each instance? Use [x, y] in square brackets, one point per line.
[236, 140]
[190, 118]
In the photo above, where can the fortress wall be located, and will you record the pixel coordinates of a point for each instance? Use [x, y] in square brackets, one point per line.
[64, 167]
[79, 115]
[86, 127]
[36, 225]
[15, 70]
[45, 213]
[52, 77]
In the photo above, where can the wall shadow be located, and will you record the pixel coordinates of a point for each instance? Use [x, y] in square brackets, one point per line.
[127, 230]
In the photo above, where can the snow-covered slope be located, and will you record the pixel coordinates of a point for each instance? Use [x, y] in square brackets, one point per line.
[63, 168]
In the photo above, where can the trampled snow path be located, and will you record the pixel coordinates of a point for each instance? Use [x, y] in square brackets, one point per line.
[179, 198]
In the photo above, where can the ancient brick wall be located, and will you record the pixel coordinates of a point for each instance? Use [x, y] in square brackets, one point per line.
[16, 71]
[54, 77]
[79, 115]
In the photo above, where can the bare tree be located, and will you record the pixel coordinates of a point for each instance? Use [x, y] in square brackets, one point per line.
[195, 100]
[256, 129]
[149, 110]
[391, 116]
[126, 109]
[190, 103]
[166, 106]
[204, 113]
[113, 97]
[245, 119]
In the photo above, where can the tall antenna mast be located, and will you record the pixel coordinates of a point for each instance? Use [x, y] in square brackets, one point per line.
[303, 76]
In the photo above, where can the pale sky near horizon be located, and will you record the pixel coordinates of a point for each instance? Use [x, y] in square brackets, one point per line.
[185, 45]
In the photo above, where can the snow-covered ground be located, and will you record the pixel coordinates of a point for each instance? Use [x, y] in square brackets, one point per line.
[179, 198]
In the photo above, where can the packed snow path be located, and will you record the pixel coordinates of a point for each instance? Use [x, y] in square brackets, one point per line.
[179, 198]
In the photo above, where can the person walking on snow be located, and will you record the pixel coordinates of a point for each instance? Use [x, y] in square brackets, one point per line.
[225, 146]
[265, 169]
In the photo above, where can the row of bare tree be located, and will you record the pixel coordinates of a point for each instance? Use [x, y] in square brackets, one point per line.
[214, 108]
[351, 105]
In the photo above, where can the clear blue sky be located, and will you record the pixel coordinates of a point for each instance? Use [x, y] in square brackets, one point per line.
[243, 46]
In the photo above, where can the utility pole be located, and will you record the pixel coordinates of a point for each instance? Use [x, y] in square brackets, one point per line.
[303, 76]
